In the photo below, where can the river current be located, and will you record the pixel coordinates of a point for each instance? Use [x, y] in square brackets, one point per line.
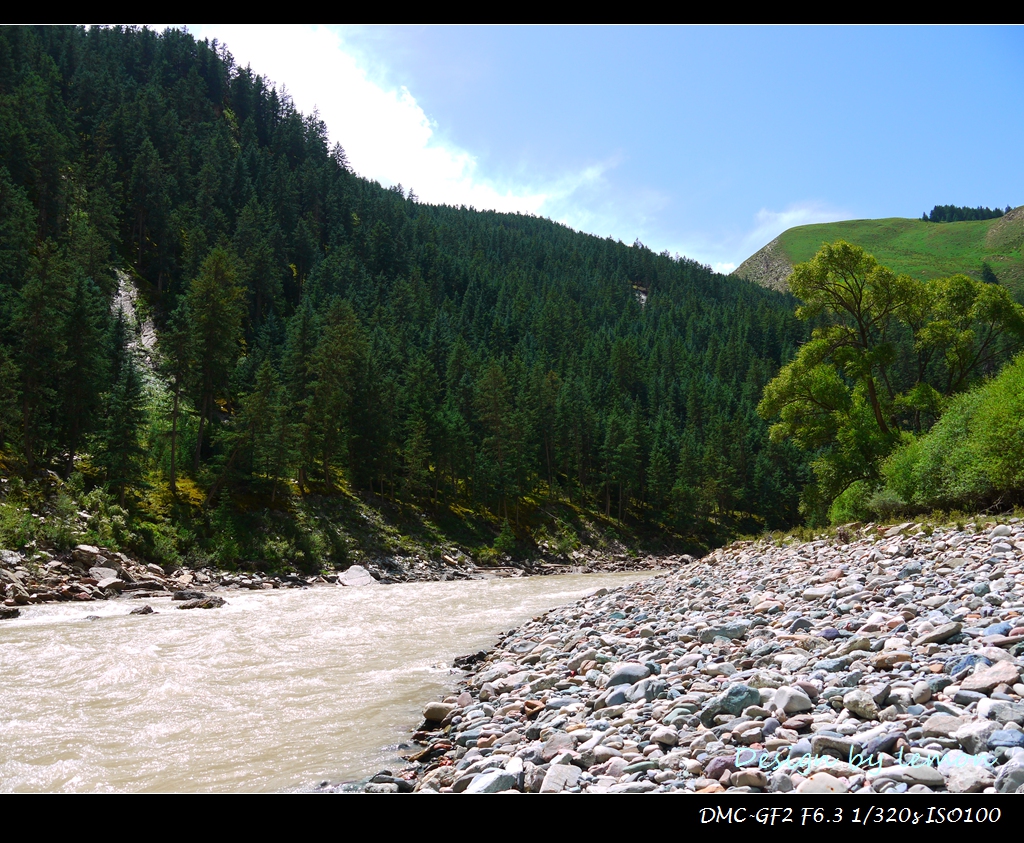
[278, 690]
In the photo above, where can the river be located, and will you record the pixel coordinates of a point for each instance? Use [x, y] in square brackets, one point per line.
[276, 691]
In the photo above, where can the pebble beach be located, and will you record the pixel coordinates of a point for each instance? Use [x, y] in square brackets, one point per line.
[887, 660]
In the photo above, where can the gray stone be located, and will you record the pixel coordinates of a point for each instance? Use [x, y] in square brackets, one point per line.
[188, 594]
[791, 700]
[883, 743]
[821, 783]
[957, 664]
[633, 787]
[559, 777]
[837, 746]
[435, 712]
[731, 630]
[665, 736]
[834, 665]
[965, 698]
[628, 673]
[986, 679]
[1001, 711]
[493, 781]
[955, 758]
[940, 634]
[400, 784]
[732, 701]
[1005, 738]
[973, 737]
[862, 704]
[1010, 777]
[213, 602]
[616, 695]
[941, 725]
[910, 774]
[911, 569]
[749, 778]
[86, 554]
[969, 780]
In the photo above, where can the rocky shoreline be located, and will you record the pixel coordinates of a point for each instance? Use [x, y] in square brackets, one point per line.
[888, 661]
[91, 573]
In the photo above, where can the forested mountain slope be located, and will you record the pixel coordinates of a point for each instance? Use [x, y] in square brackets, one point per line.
[324, 342]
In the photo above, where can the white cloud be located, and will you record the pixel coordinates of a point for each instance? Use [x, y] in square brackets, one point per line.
[770, 224]
[389, 137]
[386, 134]
[724, 254]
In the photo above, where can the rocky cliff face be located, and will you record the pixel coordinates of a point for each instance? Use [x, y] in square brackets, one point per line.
[768, 267]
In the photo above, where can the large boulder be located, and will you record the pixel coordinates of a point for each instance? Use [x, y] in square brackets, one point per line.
[356, 577]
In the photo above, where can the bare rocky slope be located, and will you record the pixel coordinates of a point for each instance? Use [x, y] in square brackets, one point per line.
[768, 267]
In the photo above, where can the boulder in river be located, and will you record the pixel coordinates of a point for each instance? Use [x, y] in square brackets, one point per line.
[212, 602]
[355, 577]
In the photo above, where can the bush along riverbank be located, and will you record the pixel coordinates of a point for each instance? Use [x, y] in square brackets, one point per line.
[886, 661]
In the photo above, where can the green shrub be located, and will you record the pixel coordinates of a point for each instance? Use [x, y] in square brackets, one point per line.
[60, 527]
[567, 540]
[17, 526]
[506, 541]
[973, 454]
[852, 504]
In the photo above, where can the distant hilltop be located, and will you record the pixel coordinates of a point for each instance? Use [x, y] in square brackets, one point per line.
[989, 250]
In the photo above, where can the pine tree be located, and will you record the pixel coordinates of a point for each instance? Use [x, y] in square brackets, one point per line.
[213, 317]
[41, 344]
[119, 448]
[86, 327]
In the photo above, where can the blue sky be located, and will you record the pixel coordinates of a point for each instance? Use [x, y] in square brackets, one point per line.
[702, 141]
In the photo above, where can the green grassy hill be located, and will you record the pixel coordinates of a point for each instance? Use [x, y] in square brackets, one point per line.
[920, 249]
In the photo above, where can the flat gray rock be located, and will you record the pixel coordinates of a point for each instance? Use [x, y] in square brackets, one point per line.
[559, 777]
[628, 673]
[493, 781]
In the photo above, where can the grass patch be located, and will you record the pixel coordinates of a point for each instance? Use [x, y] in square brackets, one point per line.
[924, 250]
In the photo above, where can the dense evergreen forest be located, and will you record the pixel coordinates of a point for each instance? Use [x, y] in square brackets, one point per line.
[958, 213]
[319, 337]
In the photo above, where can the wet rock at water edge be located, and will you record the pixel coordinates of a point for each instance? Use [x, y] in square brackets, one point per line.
[435, 712]
[188, 594]
[213, 602]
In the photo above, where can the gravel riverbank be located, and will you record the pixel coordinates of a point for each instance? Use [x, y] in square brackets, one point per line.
[887, 663]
